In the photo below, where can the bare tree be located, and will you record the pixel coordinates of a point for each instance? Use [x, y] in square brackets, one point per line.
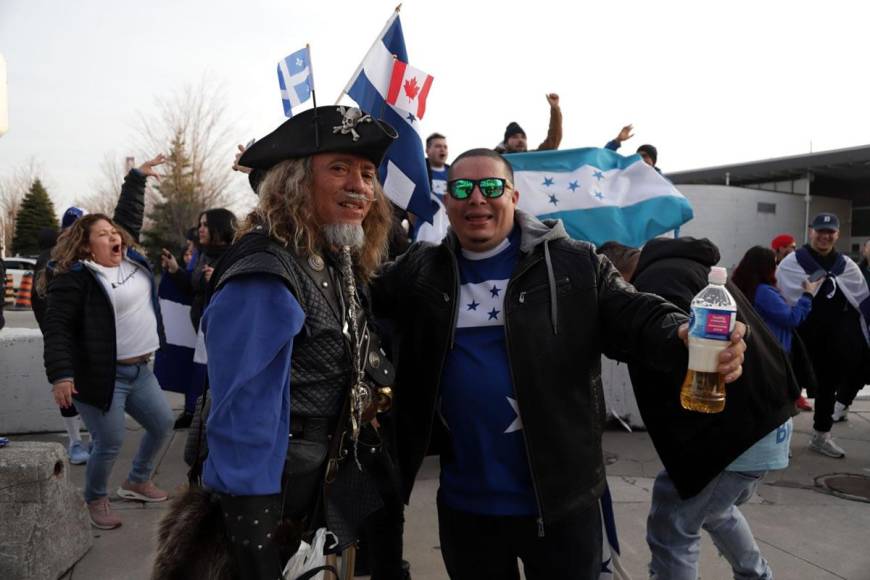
[107, 187]
[13, 188]
[198, 115]
[191, 128]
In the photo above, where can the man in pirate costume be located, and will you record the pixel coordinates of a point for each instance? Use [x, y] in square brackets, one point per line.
[289, 344]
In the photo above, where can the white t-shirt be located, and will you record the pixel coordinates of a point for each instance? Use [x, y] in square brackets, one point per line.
[129, 288]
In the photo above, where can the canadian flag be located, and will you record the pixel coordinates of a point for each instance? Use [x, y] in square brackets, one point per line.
[409, 88]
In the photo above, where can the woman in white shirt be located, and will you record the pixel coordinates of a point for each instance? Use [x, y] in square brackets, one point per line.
[102, 327]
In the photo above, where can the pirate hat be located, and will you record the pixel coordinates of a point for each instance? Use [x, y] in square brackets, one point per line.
[329, 129]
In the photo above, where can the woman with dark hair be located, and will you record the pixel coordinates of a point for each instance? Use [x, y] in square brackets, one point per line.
[217, 227]
[756, 278]
[102, 325]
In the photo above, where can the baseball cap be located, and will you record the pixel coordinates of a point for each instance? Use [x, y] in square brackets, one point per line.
[826, 221]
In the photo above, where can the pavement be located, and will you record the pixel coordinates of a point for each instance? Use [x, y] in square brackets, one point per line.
[805, 532]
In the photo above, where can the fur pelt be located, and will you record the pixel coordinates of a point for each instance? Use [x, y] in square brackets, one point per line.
[191, 542]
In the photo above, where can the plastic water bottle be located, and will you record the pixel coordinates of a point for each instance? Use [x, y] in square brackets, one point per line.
[714, 313]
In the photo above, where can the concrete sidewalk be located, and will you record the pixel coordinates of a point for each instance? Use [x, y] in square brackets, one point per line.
[805, 533]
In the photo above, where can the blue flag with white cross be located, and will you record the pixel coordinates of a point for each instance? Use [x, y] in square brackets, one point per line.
[295, 80]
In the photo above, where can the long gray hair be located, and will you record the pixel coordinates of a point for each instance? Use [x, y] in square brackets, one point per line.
[286, 211]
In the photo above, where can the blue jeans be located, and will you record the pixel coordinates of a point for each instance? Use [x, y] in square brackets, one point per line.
[673, 529]
[138, 394]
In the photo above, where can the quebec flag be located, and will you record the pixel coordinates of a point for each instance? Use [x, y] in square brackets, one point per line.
[295, 80]
[403, 170]
[599, 195]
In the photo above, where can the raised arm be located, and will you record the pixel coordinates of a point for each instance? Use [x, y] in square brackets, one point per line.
[130, 211]
[624, 135]
[554, 133]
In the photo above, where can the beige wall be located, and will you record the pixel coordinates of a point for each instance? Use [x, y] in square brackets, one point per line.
[729, 217]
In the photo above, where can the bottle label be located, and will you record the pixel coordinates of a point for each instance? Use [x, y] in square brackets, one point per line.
[711, 324]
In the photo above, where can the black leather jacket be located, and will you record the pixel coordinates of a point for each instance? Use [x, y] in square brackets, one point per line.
[564, 306]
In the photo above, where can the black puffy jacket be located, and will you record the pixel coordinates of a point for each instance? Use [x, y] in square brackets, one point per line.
[696, 447]
[80, 332]
[564, 306]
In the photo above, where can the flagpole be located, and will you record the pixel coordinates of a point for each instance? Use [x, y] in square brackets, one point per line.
[362, 62]
[313, 96]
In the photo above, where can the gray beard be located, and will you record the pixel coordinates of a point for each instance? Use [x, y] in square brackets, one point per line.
[340, 235]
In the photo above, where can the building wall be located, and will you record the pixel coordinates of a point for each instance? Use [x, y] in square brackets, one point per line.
[730, 217]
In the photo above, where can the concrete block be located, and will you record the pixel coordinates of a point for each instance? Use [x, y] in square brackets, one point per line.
[28, 406]
[45, 527]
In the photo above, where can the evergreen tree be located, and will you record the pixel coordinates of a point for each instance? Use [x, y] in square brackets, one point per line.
[179, 206]
[36, 213]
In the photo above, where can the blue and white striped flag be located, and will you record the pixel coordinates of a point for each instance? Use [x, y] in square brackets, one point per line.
[173, 365]
[403, 170]
[295, 79]
[599, 195]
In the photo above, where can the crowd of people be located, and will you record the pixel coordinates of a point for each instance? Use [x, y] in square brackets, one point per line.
[333, 358]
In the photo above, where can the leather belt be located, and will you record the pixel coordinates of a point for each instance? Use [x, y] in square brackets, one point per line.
[311, 428]
[136, 360]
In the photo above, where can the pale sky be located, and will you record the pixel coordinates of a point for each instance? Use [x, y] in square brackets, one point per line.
[707, 83]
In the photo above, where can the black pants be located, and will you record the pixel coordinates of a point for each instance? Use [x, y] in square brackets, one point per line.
[837, 359]
[380, 543]
[479, 547]
[251, 523]
[856, 379]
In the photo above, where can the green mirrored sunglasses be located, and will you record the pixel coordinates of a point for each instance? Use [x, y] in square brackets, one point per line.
[490, 187]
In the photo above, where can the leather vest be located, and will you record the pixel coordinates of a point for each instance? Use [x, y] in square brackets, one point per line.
[320, 366]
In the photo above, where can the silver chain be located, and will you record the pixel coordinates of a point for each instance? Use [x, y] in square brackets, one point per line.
[356, 331]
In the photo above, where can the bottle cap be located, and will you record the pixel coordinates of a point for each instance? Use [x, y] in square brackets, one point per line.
[717, 275]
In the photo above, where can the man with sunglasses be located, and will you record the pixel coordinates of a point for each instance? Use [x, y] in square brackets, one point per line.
[501, 330]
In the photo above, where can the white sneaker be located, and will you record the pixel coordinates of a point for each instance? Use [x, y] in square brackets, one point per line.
[841, 412]
[823, 443]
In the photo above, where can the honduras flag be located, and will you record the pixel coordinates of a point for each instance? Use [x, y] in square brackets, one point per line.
[403, 170]
[173, 365]
[295, 79]
[599, 195]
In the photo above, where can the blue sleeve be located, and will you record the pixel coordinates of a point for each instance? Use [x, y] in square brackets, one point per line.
[613, 145]
[772, 306]
[249, 328]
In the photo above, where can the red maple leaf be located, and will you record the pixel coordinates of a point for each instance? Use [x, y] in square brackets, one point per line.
[411, 88]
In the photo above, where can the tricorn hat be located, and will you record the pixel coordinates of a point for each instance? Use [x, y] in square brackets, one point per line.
[331, 129]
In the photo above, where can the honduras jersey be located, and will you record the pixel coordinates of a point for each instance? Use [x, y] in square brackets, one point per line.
[489, 472]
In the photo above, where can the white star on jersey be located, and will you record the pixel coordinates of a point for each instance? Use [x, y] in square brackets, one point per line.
[518, 423]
